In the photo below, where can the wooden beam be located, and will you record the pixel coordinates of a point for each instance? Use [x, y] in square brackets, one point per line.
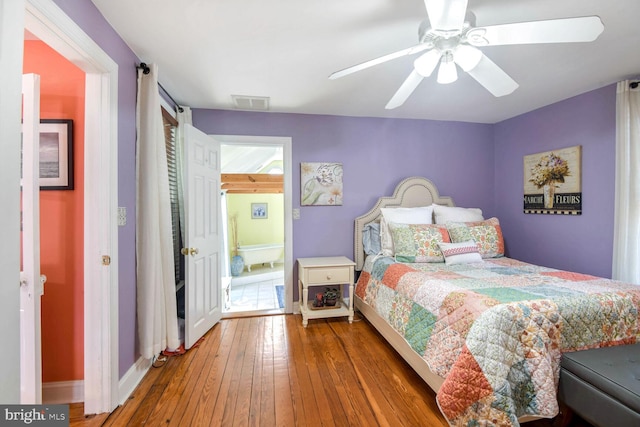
[251, 178]
[256, 191]
[243, 186]
[237, 183]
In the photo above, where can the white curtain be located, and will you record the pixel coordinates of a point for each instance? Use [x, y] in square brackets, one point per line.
[156, 287]
[626, 238]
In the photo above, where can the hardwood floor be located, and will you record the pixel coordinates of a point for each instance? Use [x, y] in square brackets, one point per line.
[270, 371]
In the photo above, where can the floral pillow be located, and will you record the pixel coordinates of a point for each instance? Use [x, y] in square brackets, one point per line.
[418, 242]
[487, 234]
[418, 215]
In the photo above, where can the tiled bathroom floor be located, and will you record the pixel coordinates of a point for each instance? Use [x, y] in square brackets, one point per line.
[256, 290]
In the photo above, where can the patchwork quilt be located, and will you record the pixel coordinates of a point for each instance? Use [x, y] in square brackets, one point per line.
[495, 330]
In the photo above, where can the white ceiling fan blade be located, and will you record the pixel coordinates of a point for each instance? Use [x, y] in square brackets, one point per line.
[446, 15]
[493, 78]
[409, 51]
[407, 88]
[582, 29]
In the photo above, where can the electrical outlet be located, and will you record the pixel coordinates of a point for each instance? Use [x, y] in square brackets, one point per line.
[122, 216]
[296, 213]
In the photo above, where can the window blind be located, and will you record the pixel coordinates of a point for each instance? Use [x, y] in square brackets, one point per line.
[172, 165]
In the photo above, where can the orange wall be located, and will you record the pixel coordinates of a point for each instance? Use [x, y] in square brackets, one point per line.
[61, 221]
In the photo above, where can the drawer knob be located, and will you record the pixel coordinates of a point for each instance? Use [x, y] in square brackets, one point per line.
[328, 277]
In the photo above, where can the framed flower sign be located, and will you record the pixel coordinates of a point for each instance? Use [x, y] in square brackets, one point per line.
[552, 182]
[320, 184]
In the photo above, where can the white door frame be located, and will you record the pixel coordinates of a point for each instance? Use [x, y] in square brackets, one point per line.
[50, 24]
[11, 44]
[285, 142]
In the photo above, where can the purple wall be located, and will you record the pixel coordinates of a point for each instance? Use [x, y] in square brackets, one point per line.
[376, 155]
[85, 15]
[478, 165]
[578, 243]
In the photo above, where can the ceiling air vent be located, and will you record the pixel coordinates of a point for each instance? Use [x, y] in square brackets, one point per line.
[255, 103]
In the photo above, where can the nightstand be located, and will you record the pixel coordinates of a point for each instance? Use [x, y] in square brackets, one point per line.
[325, 271]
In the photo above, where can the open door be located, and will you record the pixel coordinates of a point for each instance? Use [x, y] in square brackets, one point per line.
[203, 229]
[31, 286]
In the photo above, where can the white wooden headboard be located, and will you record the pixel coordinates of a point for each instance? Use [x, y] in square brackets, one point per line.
[410, 192]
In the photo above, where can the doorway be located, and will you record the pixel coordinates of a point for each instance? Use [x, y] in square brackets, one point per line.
[60, 237]
[256, 210]
[46, 21]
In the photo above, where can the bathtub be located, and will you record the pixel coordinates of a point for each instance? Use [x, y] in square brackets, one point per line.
[260, 254]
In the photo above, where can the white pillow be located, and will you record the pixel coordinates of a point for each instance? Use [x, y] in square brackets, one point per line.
[420, 215]
[444, 214]
[460, 253]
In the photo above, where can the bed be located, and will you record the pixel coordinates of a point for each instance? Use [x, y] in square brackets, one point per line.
[486, 333]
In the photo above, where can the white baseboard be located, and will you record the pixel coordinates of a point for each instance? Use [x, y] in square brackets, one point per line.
[132, 378]
[296, 307]
[61, 392]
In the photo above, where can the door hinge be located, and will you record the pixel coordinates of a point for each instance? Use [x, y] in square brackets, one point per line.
[106, 260]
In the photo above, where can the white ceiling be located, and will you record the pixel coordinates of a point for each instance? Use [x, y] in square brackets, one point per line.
[209, 50]
[242, 158]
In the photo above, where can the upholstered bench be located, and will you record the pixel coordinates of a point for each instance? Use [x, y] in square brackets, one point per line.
[602, 385]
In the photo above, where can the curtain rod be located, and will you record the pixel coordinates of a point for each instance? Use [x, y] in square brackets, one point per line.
[146, 70]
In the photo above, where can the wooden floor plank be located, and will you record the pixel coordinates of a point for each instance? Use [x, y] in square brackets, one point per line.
[248, 381]
[284, 388]
[326, 406]
[202, 381]
[206, 408]
[262, 411]
[195, 360]
[270, 371]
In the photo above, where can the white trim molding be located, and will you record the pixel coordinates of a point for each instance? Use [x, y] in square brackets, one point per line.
[132, 378]
[62, 392]
[287, 157]
[50, 24]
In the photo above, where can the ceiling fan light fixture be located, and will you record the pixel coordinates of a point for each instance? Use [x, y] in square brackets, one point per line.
[467, 57]
[427, 62]
[447, 73]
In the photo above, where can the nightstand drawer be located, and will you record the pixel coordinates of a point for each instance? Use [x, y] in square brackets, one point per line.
[329, 275]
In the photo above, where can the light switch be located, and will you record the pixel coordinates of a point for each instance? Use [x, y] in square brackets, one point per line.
[122, 216]
[296, 213]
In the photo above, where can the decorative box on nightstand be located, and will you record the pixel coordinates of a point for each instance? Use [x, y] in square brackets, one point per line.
[325, 271]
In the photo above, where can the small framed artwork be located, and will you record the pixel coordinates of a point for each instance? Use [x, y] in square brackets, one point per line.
[258, 210]
[56, 154]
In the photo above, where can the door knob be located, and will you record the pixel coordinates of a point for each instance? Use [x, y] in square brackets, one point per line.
[189, 251]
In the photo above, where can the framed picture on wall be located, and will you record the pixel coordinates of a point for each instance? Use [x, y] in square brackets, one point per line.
[553, 182]
[259, 210]
[56, 154]
[320, 184]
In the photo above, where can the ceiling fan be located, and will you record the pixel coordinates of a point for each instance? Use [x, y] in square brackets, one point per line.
[450, 37]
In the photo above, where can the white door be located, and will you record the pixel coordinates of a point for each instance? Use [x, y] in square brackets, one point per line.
[31, 287]
[203, 229]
